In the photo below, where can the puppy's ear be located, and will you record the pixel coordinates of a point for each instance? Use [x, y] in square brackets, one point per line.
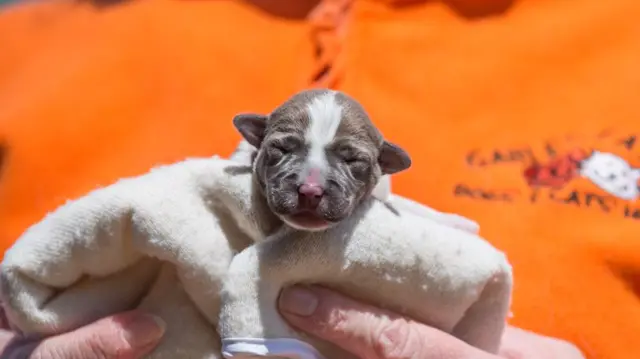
[393, 159]
[252, 127]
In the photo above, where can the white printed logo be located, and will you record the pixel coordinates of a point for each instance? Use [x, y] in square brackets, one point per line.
[612, 173]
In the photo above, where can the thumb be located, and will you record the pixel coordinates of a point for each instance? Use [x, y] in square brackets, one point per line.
[369, 332]
[127, 335]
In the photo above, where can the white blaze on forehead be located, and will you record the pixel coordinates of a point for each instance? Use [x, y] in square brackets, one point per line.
[325, 114]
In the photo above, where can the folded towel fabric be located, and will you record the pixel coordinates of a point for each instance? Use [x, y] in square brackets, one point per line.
[165, 242]
[434, 273]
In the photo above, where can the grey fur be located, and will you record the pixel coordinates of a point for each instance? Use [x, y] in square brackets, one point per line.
[358, 155]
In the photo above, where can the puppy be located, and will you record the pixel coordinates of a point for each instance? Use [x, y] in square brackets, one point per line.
[318, 156]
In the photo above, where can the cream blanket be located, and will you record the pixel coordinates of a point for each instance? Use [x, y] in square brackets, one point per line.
[187, 242]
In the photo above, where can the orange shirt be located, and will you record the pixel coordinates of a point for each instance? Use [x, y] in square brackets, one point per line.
[522, 115]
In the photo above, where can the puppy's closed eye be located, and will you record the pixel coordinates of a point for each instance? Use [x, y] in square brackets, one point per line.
[280, 149]
[351, 156]
[286, 144]
[358, 163]
[353, 161]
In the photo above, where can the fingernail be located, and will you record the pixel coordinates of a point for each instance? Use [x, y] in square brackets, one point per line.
[144, 330]
[299, 301]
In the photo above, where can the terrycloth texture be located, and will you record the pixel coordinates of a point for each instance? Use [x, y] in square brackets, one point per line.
[448, 278]
[164, 241]
[476, 90]
[99, 255]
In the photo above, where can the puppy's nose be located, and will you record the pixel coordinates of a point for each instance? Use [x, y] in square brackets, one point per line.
[310, 194]
[311, 190]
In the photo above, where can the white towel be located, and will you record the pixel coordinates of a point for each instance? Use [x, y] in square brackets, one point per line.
[165, 242]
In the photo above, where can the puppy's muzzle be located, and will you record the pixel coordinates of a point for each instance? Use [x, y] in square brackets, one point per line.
[309, 196]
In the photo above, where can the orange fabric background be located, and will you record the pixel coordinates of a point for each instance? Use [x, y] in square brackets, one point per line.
[92, 93]
[541, 71]
[105, 92]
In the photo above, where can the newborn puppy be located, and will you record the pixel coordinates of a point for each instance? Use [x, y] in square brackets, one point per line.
[319, 155]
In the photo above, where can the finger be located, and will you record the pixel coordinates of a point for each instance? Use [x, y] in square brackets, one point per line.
[128, 335]
[516, 342]
[6, 339]
[367, 331]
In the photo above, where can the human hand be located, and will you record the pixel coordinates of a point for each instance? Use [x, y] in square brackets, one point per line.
[373, 333]
[128, 335]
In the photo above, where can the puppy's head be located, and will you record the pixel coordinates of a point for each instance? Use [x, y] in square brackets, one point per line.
[318, 156]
